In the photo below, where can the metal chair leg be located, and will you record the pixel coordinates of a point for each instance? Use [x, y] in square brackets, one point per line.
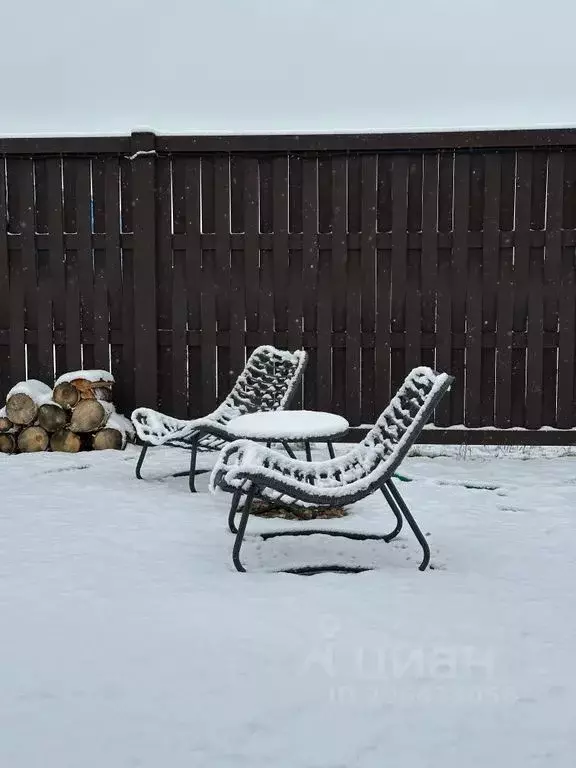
[143, 453]
[192, 471]
[233, 510]
[331, 449]
[241, 530]
[412, 523]
[308, 450]
[288, 450]
[397, 514]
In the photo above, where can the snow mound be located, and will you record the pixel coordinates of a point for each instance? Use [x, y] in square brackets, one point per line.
[39, 392]
[92, 375]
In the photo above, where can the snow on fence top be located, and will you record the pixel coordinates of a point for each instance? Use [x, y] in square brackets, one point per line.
[93, 375]
[37, 390]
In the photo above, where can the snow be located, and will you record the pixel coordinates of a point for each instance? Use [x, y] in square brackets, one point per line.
[92, 375]
[288, 425]
[123, 425]
[37, 390]
[128, 639]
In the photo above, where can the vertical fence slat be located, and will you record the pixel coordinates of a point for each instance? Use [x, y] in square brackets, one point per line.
[567, 300]
[505, 296]
[194, 279]
[112, 225]
[265, 299]
[474, 326]
[490, 270]
[55, 226]
[24, 169]
[551, 206]
[144, 272]
[312, 375]
[370, 405]
[399, 265]
[459, 279]
[413, 323]
[222, 229]
[324, 329]
[429, 251]
[383, 287]
[5, 380]
[73, 318]
[338, 276]
[251, 277]
[527, 362]
[164, 282]
[208, 297]
[238, 260]
[353, 295]
[280, 247]
[444, 292]
[295, 285]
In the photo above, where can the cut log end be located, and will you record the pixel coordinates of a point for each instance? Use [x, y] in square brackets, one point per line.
[88, 416]
[7, 443]
[21, 409]
[5, 424]
[66, 395]
[33, 439]
[107, 439]
[52, 417]
[66, 441]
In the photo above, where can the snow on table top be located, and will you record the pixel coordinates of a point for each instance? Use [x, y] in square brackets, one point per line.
[37, 390]
[288, 425]
[121, 611]
[91, 375]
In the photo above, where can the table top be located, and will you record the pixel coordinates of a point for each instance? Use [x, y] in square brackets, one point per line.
[288, 425]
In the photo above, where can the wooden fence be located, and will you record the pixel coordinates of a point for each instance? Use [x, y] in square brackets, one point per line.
[167, 258]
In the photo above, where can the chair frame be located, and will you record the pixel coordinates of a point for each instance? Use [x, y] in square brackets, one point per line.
[258, 483]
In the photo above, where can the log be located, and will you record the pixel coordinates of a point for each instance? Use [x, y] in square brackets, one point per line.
[90, 415]
[5, 424]
[66, 395]
[7, 443]
[93, 390]
[33, 439]
[23, 400]
[66, 441]
[108, 439]
[52, 417]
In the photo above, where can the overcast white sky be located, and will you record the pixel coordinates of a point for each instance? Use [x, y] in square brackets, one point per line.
[185, 66]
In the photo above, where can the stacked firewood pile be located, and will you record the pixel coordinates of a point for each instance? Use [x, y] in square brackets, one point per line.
[76, 414]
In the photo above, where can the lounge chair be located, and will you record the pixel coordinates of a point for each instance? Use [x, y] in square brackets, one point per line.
[268, 383]
[245, 468]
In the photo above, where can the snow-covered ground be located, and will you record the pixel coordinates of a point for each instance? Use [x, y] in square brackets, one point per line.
[126, 638]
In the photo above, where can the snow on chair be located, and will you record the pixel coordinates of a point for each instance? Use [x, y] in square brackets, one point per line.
[267, 383]
[251, 469]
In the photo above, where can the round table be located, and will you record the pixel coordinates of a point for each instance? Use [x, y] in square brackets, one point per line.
[287, 427]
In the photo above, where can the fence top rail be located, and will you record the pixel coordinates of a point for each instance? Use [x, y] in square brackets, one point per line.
[347, 142]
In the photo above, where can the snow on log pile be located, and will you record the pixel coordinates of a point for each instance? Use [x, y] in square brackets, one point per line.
[76, 414]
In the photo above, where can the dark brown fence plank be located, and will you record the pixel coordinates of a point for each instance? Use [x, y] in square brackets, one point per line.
[101, 313]
[112, 225]
[490, 271]
[383, 287]
[73, 318]
[164, 279]
[324, 330]
[179, 344]
[280, 247]
[251, 256]
[84, 258]
[369, 408]
[474, 325]
[5, 380]
[339, 257]
[526, 364]
[429, 251]
[55, 226]
[222, 229]
[413, 266]
[399, 264]
[550, 202]
[460, 279]
[194, 279]
[144, 272]
[314, 378]
[353, 294]
[208, 300]
[444, 294]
